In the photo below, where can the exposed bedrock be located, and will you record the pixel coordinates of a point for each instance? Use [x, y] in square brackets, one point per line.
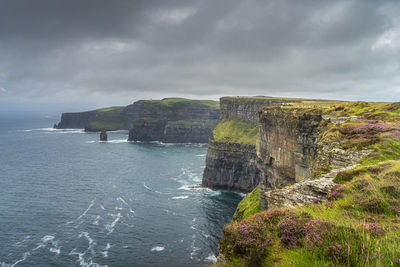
[184, 121]
[231, 166]
[287, 147]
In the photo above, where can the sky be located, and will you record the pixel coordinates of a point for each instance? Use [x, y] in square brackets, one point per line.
[58, 55]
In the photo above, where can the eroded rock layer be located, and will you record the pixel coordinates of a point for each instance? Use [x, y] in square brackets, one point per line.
[287, 146]
[231, 165]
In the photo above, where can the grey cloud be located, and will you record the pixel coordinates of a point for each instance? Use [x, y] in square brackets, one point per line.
[116, 51]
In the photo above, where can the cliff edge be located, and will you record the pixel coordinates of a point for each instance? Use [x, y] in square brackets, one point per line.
[330, 189]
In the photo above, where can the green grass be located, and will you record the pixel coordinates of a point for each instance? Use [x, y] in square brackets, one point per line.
[174, 100]
[193, 123]
[236, 131]
[249, 205]
[115, 108]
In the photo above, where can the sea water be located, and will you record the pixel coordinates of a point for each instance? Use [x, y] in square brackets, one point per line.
[67, 199]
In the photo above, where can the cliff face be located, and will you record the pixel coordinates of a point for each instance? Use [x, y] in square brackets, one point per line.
[231, 161]
[287, 146]
[245, 108]
[231, 166]
[171, 120]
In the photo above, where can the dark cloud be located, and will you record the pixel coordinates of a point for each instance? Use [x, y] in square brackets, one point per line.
[110, 52]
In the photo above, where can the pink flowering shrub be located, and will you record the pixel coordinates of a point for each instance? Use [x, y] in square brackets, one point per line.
[375, 230]
[339, 253]
[250, 238]
[291, 228]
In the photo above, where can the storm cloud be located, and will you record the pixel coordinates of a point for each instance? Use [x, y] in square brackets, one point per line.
[114, 52]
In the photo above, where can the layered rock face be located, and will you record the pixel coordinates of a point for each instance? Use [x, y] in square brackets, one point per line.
[287, 147]
[245, 108]
[178, 122]
[233, 166]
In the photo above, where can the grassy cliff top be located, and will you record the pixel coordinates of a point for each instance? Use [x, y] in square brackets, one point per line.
[114, 108]
[174, 100]
[236, 131]
[358, 224]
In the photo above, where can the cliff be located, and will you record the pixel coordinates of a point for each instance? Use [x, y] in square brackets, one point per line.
[231, 162]
[108, 119]
[330, 184]
[172, 120]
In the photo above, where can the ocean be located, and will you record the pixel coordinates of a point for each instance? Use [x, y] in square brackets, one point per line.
[67, 199]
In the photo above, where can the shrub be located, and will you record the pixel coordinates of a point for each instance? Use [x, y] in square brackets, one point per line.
[291, 228]
[374, 205]
[390, 190]
[315, 232]
[339, 253]
[375, 230]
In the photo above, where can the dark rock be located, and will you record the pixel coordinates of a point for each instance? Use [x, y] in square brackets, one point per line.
[103, 136]
[231, 166]
[185, 121]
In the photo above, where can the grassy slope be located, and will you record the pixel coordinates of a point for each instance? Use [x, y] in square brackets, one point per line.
[173, 100]
[360, 223]
[235, 131]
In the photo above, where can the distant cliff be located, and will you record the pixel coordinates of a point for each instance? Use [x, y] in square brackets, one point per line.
[231, 161]
[96, 120]
[172, 120]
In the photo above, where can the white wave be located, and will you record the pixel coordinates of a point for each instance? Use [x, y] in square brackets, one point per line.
[131, 211]
[118, 141]
[118, 208]
[58, 130]
[211, 258]
[145, 186]
[157, 248]
[47, 238]
[180, 197]
[192, 187]
[83, 214]
[105, 252]
[55, 250]
[24, 257]
[86, 235]
[201, 155]
[102, 207]
[96, 220]
[110, 227]
[122, 200]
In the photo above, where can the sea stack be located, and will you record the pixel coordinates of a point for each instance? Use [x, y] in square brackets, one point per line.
[103, 135]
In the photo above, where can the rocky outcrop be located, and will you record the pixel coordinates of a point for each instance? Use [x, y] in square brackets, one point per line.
[287, 147]
[180, 121]
[103, 136]
[245, 108]
[231, 166]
